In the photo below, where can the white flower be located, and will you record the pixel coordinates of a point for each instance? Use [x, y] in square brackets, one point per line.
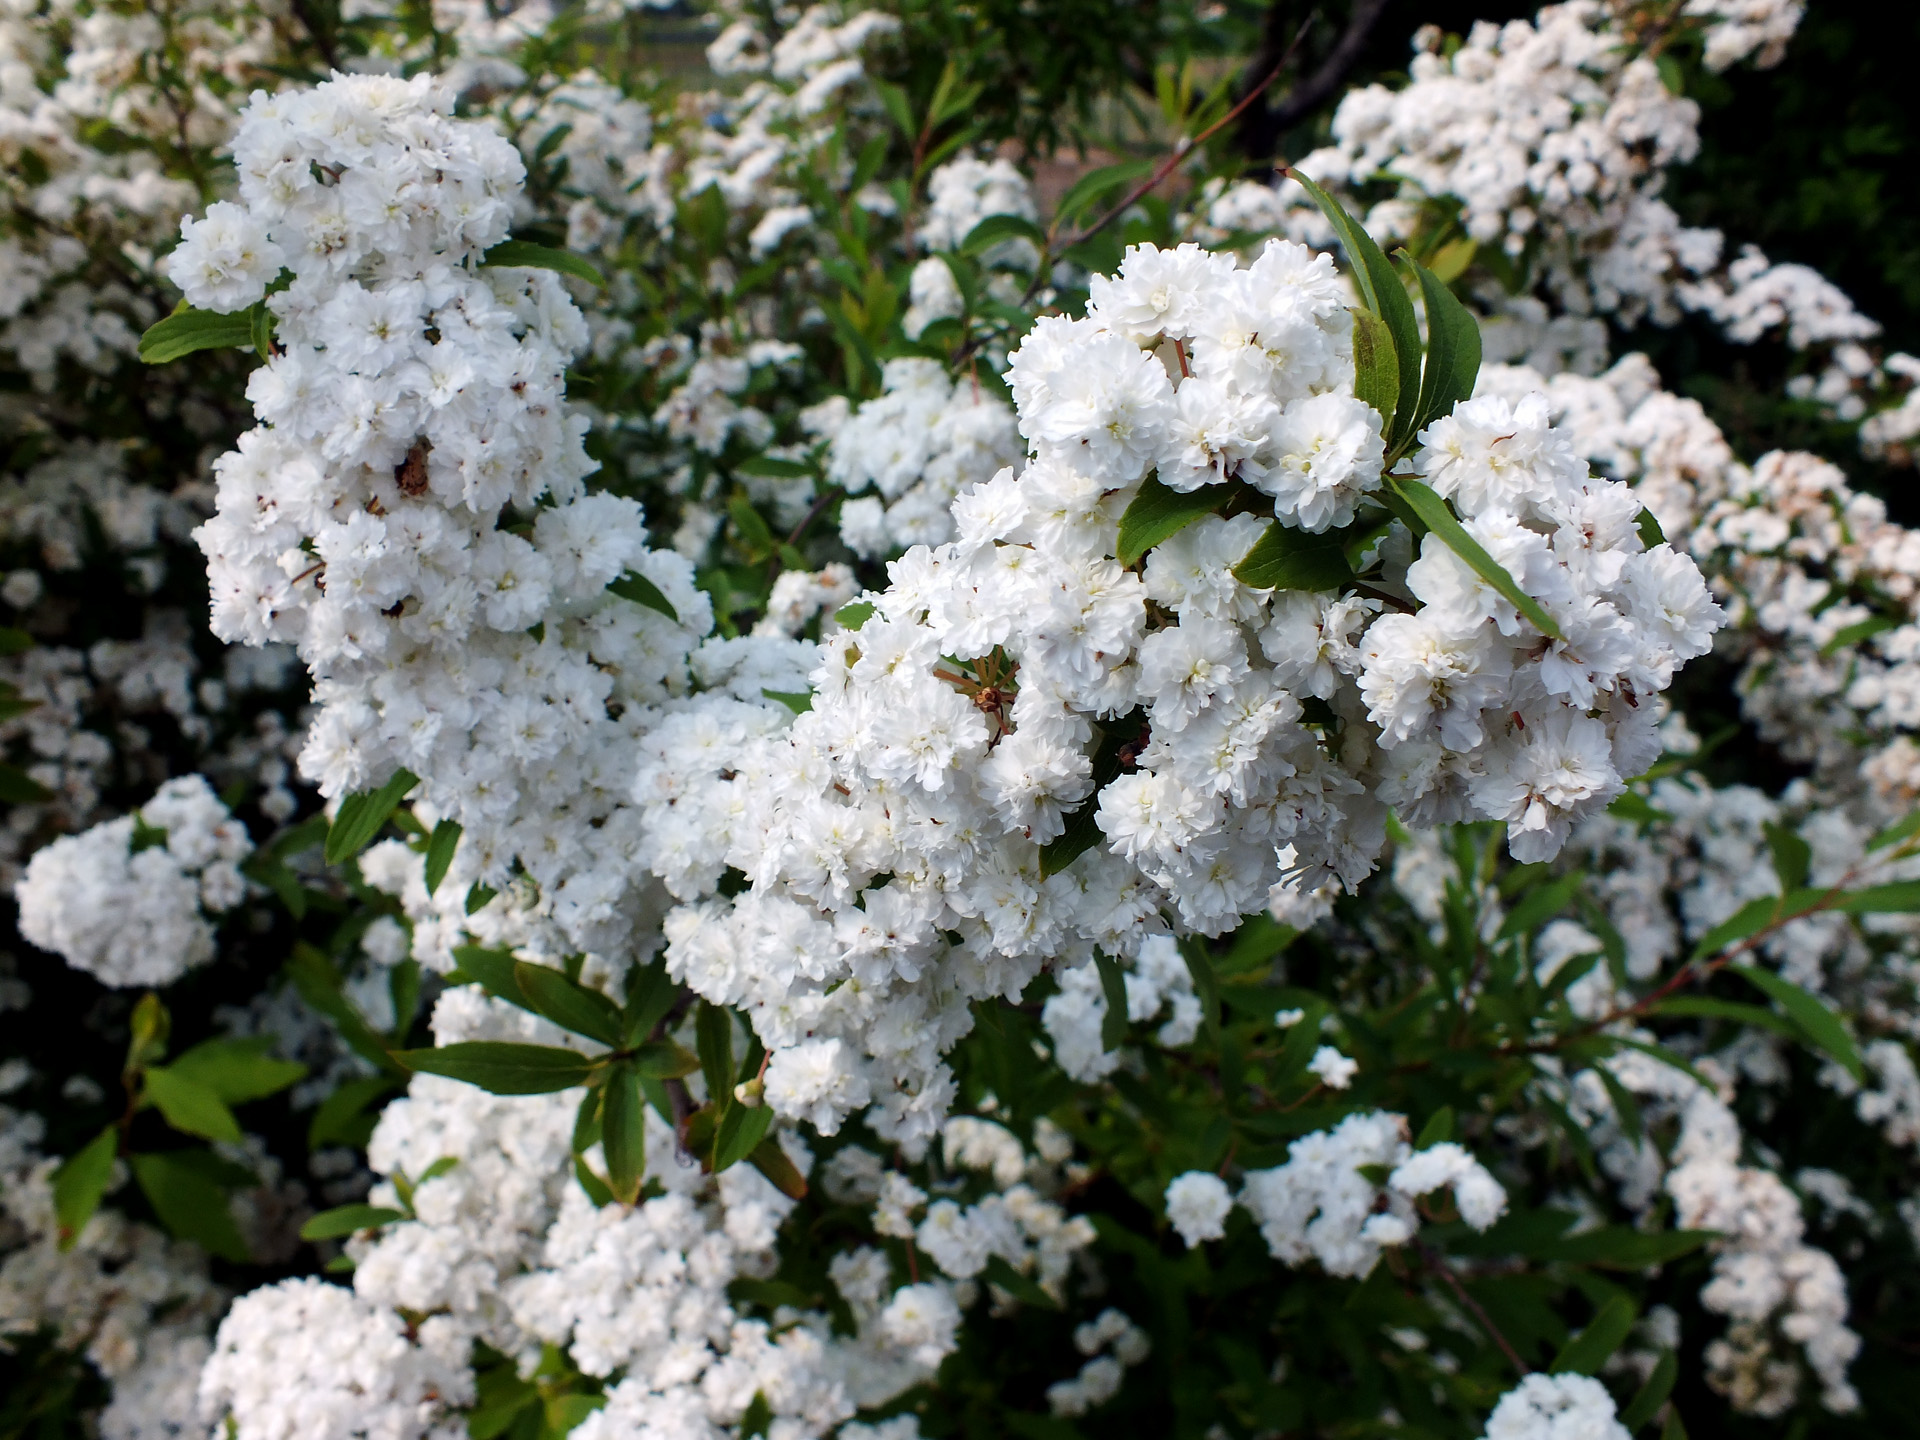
[1197, 1206]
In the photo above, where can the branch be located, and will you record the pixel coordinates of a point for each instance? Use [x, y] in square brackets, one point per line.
[1261, 131]
[1439, 1265]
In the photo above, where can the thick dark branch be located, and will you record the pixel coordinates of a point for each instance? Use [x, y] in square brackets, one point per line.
[1262, 127]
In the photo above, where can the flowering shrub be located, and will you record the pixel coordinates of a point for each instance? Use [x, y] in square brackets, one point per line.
[810, 795]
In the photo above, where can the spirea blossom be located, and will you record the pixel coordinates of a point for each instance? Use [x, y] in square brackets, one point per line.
[128, 901]
[1018, 680]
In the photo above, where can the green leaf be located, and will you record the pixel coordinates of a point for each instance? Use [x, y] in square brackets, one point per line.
[1453, 352]
[493, 970]
[1654, 1393]
[1158, 513]
[1096, 183]
[1113, 985]
[260, 323]
[757, 1418]
[1021, 1287]
[1860, 630]
[853, 615]
[189, 1202]
[623, 1132]
[713, 1037]
[569, 1004]
[755, 536]
[80, 1182]
[1705, 1007]
[1425, 502]
[1381, 290]
[503, 1067]
[1823, 1027]
[478, 894]
[525, 255]
[319, 985]
[1673, 1429]
[898, 107]
[641, 591]
[1285, 558]
[1650, 532]
[191, 1107]
[238, 1070]
[771, 1161]
[1376, 365]
[14, 641]
[360, 816]
[1205, 984]
[595, 1188]
[19, 788]
[441, 846]
[742, 1129]
[664, 1060]
[798, 701]
[1438, 1129]
[1749, 919]
[1539, 906]
[1792, 856]
[1586, 1352]
[651, 993]
[348, 1220]
[188, 330]
[343, 1118]
[996, 228]
[1900, 830]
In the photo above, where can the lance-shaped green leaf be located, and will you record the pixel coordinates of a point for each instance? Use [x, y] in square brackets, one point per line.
[569, 1004]
[798, 701]
[1453, 352]
[1159, 512]
[361, 815]
[503, 1067]
[1376, 365]
[1023, 1288]
[1438, 1129]
[80, 1182]
[713, 1037]
[188, 330]
[1381, 290]
[1650, 532]
[996, 228]
[771, 1161]
[319, 985]
[1285, 558]
[651, 993]
[238, 1070]
[742, 1129]
[1652, 1395]
[1823, 1027]
[623, 1132]
[348, 1220]
[1792, 856]
[191, 1107]
[1206, 985]
[19, 788]
[641, 591]
[664, 1060]
[1586, 1352]
[441, 846]
[1113, 988]
[525, 255]
[1425, 502]
[186, 1192]
[494, 972]
[1621, 1247]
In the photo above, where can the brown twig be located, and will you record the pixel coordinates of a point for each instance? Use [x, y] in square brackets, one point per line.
[1436, 1263]
[1263, 127]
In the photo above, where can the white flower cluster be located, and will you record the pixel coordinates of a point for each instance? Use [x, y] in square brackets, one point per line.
[1766, 1278]
[1156, 980]
[915, 447]
[1113, 1345]
[128, 900]
[309, 1360]
[1319, 1206]
[954, 734]
[411, 512]
[1555, 1407]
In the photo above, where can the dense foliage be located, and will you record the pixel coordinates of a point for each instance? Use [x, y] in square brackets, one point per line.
[682, 759]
